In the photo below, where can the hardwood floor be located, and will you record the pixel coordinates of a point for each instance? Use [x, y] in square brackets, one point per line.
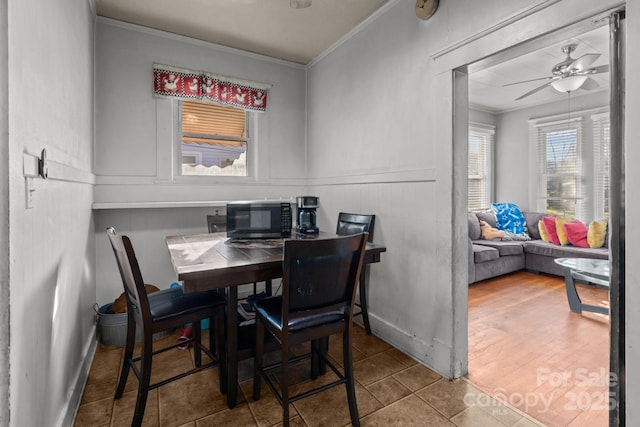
[528, 349]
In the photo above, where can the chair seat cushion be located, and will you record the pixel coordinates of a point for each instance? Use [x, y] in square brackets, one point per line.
[173, 301]
[271, 310]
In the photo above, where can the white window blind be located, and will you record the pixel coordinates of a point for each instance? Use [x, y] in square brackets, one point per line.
[213, 139]
[559, 166]
[480, 166]
[600, 123]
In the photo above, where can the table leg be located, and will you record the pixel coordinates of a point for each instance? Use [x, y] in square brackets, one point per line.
[232, 346]
[575, 304]
[363, 300]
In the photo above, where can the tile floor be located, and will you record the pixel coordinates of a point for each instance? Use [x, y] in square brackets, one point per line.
[391, 388]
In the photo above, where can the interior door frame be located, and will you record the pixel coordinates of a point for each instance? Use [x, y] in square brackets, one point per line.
[615, 19]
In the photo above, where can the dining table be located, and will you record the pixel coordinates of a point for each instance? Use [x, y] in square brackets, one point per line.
[213, 261]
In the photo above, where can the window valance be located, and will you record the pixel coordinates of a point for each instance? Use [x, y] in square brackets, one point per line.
[176, 82]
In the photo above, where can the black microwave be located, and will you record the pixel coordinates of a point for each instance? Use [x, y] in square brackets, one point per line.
[258, 219]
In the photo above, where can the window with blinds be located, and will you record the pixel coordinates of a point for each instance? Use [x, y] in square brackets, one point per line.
[213, 140]
[600, 130]
[480, 169]
[559, 164]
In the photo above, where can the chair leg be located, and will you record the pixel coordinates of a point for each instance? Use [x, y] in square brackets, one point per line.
[257, 363]
[284, 383]
[128, 354]
[348, 373]
[315, 359]
[197, 339]
[220, 348]
[363, 302]
[145, 378]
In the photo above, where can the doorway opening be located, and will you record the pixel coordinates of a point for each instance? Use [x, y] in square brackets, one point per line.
[525, 347]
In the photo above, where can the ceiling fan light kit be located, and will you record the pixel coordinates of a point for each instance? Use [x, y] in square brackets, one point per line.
[299, 4]
[569, 84]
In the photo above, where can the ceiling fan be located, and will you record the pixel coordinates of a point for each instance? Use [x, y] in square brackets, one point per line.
[569, 74]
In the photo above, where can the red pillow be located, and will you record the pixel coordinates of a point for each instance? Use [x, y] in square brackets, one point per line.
[577, 233]
[550, 225]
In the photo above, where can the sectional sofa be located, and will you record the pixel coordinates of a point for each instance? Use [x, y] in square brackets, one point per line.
[491, 258]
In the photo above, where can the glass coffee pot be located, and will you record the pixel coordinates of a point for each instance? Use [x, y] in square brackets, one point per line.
[307, 206]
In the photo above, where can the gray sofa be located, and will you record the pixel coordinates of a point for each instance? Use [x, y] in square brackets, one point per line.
[491, 258]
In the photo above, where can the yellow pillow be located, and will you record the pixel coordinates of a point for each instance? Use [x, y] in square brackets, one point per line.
[543, 232]
[596, 234]
[562, 235]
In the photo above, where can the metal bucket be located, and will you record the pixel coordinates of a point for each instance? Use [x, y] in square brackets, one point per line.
[112, 328]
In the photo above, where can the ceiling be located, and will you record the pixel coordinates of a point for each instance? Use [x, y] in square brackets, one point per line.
[267, 27]
[486, 89]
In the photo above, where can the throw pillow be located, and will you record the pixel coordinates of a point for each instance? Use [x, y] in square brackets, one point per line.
[577, 233]
[562, 235]
[550, 227]
[543, 232]
[596, 234]
[509, 218]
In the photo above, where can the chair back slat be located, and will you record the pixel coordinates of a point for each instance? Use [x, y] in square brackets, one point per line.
[350, 223]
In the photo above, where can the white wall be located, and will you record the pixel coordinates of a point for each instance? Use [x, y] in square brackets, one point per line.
[51, 245]
[515, 164]
[136, 139]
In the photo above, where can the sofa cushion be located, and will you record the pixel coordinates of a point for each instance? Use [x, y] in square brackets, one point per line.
[474, 226]
[538, 247]
[484, 253]
[488, 217]
[533, 218]
[505, 248]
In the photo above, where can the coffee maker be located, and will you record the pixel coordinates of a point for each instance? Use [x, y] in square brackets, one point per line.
[307, 206]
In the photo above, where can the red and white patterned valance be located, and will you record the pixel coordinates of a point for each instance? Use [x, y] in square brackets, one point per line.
[182, 83]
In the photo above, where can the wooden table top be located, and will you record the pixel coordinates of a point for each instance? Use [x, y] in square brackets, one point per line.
[213, 258]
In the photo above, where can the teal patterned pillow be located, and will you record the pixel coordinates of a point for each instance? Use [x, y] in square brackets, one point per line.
[509, 218]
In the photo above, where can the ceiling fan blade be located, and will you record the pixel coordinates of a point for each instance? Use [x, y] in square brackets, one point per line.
[600, 69]
[584, 61]
[527, 81]
[589, 84]
[531, 92]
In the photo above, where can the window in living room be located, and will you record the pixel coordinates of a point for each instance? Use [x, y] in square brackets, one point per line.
[480, 166]
[558, 147]
[213, 140]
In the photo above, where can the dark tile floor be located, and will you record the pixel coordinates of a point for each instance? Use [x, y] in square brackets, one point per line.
[391, 390]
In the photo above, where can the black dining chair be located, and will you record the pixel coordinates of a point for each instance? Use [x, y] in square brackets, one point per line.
[159, 311]
[318, 293]
[350, 223]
